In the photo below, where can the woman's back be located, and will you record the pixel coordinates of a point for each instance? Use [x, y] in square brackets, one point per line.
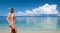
[11, 18]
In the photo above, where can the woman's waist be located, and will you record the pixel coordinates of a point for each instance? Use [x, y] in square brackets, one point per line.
[12, 23]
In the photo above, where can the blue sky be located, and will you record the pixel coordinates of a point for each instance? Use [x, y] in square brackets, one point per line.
[22, 5]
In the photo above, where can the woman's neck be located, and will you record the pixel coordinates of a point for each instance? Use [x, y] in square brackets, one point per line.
[11, 13]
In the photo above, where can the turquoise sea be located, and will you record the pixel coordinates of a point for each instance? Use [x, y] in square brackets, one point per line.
[31, 24]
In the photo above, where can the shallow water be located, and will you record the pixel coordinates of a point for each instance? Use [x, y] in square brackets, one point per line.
[32, 24]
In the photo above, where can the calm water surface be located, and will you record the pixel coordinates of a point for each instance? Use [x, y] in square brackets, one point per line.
[31, 23]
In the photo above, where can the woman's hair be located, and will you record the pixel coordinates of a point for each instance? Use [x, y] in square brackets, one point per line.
[12, 10]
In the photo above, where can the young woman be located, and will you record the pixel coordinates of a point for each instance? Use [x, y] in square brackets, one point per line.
[11, 20]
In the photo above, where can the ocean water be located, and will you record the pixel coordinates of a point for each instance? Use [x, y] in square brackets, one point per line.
[28, 24]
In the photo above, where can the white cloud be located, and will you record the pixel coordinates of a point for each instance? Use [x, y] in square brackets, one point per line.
[45, 9]
[20, 13]
[29, 13]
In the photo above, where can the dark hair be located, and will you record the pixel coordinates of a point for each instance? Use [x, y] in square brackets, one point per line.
[12, 10]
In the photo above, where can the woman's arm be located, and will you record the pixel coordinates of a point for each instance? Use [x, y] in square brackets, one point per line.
[8, 19]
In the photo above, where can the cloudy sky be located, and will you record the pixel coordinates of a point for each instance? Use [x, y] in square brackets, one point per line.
[30, 7]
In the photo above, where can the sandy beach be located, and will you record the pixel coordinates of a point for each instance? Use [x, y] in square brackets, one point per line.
[36, 32]
[39, 32]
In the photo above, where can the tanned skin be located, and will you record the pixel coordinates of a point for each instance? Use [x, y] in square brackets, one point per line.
[11, 20]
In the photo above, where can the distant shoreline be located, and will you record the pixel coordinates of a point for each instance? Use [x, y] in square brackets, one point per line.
[33, 16]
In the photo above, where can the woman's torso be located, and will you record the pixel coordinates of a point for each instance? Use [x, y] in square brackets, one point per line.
[11, 19]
